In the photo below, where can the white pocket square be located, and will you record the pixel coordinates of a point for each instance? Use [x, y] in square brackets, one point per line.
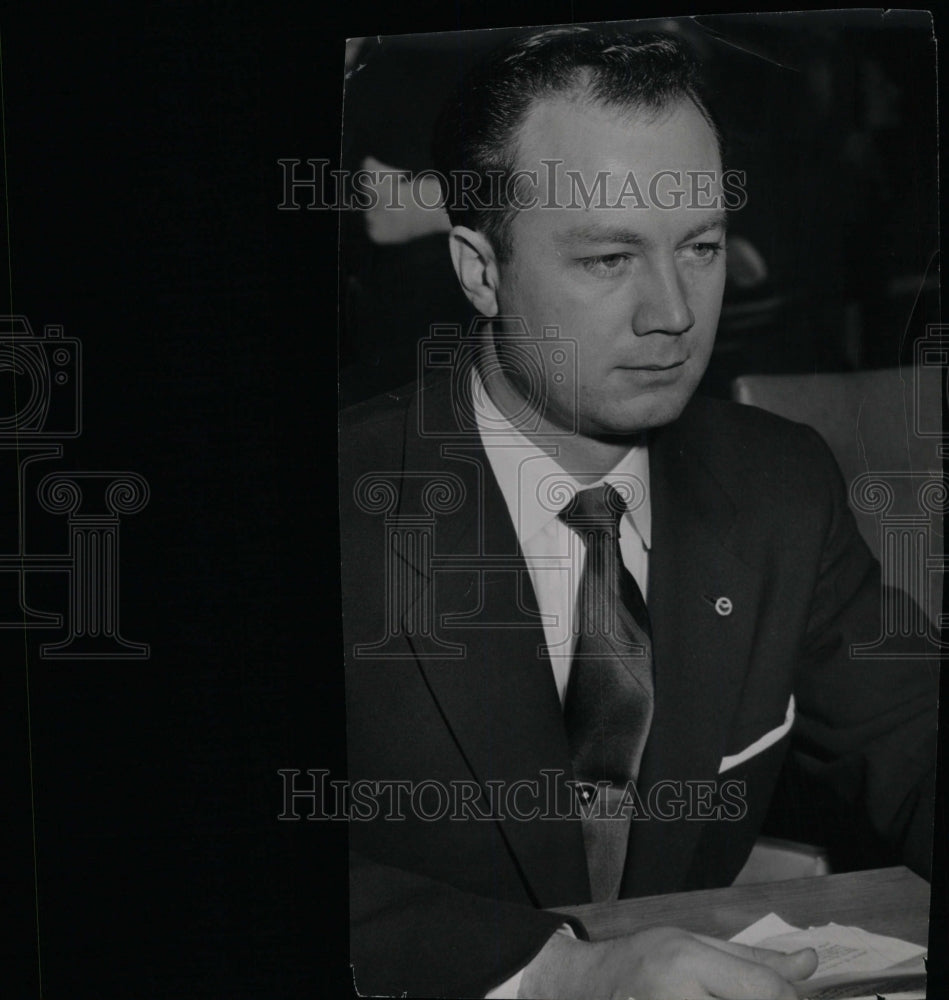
[762, 743]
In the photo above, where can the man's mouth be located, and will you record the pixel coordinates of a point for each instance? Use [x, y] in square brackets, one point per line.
[653, 368]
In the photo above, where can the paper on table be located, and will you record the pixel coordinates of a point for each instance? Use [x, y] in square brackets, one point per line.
[849, 958]
[767, 927]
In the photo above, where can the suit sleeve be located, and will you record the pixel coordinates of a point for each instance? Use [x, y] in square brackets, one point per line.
[867, 726]
[411, 934]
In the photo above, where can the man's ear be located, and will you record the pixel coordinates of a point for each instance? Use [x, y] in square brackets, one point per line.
[477, 268]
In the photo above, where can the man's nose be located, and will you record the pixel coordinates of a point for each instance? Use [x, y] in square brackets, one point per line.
[662, 305]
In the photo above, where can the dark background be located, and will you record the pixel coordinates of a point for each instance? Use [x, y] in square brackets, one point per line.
[141, 177]
[141, 153]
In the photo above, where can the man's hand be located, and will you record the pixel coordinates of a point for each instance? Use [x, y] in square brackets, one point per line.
[662, 964]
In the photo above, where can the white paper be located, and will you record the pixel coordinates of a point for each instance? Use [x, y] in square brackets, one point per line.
[848, 957]
[767, 927]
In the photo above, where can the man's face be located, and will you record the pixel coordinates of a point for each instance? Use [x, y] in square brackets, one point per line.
[637, 287]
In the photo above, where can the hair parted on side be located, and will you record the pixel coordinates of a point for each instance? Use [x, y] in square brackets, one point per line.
[477, 130]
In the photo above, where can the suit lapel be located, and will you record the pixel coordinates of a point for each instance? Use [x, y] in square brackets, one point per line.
[701, 645]
[498, 697]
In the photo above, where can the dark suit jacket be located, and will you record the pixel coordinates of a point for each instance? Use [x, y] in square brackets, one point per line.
[745, 505]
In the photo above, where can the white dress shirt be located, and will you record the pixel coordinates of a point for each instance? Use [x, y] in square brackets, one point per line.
[536, 489]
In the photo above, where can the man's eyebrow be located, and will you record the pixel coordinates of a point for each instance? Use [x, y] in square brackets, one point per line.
[718, 220]
[593, 232]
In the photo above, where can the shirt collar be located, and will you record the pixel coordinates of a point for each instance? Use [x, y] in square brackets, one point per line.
[535, 487]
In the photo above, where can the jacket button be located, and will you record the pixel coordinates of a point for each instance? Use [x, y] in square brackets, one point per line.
[723, 606]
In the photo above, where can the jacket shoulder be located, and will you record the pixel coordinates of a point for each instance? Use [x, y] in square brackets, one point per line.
[377, 413]
[372, 433]
[739, 432]
[760, 457]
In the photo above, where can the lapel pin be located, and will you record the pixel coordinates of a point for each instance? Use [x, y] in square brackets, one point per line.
[723, 606]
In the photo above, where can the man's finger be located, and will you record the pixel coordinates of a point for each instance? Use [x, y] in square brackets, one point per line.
[727, 975]
[791, 965]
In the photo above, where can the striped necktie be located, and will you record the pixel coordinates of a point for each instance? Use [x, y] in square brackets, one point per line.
[609, 700]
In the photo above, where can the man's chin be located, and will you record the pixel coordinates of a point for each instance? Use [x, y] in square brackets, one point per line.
[642, 414]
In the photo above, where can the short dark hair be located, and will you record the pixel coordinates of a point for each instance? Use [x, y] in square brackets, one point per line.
[477, 130]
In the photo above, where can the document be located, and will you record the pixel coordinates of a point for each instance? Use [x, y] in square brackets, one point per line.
[852, 962]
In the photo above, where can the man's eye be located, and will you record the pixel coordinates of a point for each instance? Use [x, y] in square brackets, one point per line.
[704, 252]
[606, 265]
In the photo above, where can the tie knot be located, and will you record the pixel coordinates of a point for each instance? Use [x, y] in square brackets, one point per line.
[599, 507]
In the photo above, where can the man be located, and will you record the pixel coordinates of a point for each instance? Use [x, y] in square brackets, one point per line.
[589, 609]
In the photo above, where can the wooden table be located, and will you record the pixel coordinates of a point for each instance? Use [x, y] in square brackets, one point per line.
[890, 901]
